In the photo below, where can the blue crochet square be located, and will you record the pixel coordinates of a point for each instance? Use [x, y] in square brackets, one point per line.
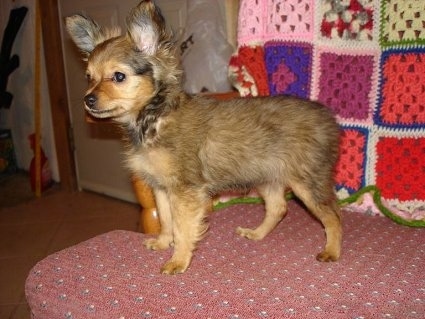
[288, 67]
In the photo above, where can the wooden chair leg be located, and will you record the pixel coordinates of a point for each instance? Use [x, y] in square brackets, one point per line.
[149, 219]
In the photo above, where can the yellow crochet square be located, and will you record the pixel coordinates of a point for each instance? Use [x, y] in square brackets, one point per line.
[403, 21]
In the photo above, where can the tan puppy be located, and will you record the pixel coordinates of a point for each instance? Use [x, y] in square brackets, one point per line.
[189, 148]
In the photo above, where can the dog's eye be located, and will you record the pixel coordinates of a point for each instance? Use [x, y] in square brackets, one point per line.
[118, 77]
[88, 77]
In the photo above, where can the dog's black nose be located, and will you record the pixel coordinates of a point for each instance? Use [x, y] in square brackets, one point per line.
[90, 100]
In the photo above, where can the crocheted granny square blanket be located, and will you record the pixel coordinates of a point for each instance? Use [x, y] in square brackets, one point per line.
[365, 60]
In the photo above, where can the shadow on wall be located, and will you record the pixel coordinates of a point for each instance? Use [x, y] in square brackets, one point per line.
[19, 118]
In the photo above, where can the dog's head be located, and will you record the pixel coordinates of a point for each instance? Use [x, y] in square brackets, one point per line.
[126, 72]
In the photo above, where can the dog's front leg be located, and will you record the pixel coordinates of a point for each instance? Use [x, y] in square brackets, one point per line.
[188, 212]
[165, 238]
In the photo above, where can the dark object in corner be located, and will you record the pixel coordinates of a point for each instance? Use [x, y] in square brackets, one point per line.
[7, 154]
[9, 64]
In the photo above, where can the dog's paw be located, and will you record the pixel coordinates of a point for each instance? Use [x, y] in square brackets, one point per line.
[173, 267]
[325, 256]
[249, 233]
[157, 243]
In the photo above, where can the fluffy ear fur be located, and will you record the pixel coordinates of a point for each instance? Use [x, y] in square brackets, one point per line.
[86, 33]
[146, 27]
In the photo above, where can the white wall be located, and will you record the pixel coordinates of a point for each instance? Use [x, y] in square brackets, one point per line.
[20, 117]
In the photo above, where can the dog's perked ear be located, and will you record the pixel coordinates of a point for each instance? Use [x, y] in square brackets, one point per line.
[86, 33]
[146, 27]
[83, 32]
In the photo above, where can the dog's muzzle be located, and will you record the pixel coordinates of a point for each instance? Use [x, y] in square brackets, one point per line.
[90, 100]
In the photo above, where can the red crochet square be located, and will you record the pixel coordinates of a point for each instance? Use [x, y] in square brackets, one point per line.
[403, 89]
[251, 58]
[351, 165]
[400, 168]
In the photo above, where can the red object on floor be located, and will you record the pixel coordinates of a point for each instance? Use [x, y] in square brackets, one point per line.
[45, 172]
[380, 273]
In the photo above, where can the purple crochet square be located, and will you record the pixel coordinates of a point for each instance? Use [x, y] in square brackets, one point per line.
[289, 68]
[345, 84]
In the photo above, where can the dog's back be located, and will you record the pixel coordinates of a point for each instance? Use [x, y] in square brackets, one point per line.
[245, 142]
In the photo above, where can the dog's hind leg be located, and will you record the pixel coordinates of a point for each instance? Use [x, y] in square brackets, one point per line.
[329, 215]
[165, 238]
[275, 203]
[189, 209]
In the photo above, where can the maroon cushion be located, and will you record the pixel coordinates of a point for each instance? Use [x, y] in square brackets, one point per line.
[380, 273]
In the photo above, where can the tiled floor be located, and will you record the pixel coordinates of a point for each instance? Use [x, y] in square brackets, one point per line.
[31, 228]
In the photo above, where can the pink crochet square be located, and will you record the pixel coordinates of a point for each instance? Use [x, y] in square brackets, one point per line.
[250, 21]
[352, 159]
[345, 84]
[289, 19]
[261, 21]
[402, 22]
[402, 89]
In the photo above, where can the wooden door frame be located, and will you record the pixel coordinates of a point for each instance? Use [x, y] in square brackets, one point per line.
[52, 43]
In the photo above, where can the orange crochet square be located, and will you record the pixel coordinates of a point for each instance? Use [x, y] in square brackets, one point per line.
[352, 159]
[402, 89]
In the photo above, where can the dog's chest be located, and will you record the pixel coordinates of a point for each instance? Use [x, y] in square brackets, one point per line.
[156, 165]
